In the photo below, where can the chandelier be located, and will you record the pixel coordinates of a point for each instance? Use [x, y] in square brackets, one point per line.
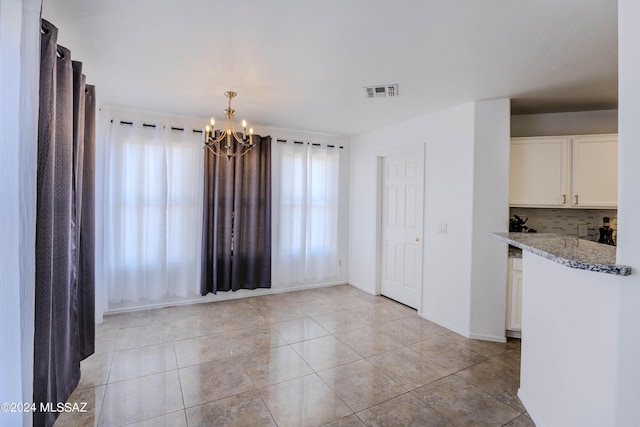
[223, 144]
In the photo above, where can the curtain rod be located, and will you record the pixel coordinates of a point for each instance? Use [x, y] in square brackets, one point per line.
[315, 144]
[181, 129]
[149, 125]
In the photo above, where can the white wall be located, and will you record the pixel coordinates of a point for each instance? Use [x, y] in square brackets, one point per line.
[102, 132]
[570, 123]
[449, 139]
[442, 134]
[570, 345]
[446, 297]
[19, 71]
[628, 375]
[490, 213]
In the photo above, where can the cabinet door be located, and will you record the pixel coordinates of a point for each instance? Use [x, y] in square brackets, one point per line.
[514, 295]
[538, 171]
[515, 311]
[594, 168]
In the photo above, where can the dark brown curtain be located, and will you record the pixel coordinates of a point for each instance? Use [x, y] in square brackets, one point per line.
[236, 251]
[86, 248]
[61, 286]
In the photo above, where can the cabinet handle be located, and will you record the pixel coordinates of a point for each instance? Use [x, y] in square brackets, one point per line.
[575, 199]
[564, 199]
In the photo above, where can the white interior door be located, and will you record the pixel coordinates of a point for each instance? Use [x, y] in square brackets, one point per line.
[401, 233]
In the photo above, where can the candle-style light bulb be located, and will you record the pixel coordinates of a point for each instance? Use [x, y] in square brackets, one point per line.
[207, 129]
[250, 136]
[213, 123]
[244, 129]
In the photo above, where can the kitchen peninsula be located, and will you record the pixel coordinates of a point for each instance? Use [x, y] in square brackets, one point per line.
[568, 250]
[571, 299]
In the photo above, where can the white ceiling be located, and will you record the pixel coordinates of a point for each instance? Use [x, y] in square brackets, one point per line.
[302, 64]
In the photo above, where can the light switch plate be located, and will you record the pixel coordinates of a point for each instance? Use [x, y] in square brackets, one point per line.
[442, 228]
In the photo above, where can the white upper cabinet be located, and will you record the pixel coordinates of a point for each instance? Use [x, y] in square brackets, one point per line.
[594, 171]
[539, 171]
[564, 171]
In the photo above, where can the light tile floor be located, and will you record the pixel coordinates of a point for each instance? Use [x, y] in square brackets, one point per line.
[333, 356]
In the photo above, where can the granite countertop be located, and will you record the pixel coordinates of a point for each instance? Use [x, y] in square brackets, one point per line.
[568, 250]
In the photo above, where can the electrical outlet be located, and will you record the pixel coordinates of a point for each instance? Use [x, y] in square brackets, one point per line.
[583, 230]
[442, 228]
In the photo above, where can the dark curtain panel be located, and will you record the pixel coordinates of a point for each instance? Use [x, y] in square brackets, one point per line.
[56, 348]
[251, 266]
[236, 251]
[217, 223]
[86, 252]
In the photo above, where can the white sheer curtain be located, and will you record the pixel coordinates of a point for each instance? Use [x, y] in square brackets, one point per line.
[153, 212]
[306, 211]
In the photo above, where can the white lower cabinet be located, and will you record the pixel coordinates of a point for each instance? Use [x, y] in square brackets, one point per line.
[514, 298]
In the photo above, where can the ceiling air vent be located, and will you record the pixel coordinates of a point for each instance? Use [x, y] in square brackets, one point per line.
[382, 91]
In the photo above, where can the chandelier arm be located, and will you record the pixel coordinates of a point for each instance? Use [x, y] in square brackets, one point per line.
[223, 136]
[241, 140]
[215, 149]
[242, 152]
[217, 139]
[222, 139]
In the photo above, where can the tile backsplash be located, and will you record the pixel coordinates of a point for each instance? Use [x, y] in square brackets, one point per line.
[566, 221]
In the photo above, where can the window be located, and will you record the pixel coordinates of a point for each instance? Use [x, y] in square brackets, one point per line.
[153, 213]
[306, 239]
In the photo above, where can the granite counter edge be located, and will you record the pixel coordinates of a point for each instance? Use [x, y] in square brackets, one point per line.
[615, 269]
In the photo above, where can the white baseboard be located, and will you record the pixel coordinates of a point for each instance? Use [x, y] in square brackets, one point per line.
[363, 289]
[443, 324]
[119, 308]
[513, 334]
[466, 334]
[530, 410]
[492, 338]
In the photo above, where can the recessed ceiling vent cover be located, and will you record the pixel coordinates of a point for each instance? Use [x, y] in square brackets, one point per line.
[382, 91]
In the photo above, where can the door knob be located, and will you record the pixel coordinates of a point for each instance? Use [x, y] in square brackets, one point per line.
[417, 239]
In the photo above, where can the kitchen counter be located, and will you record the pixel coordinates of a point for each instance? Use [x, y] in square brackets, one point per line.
[568, 250]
